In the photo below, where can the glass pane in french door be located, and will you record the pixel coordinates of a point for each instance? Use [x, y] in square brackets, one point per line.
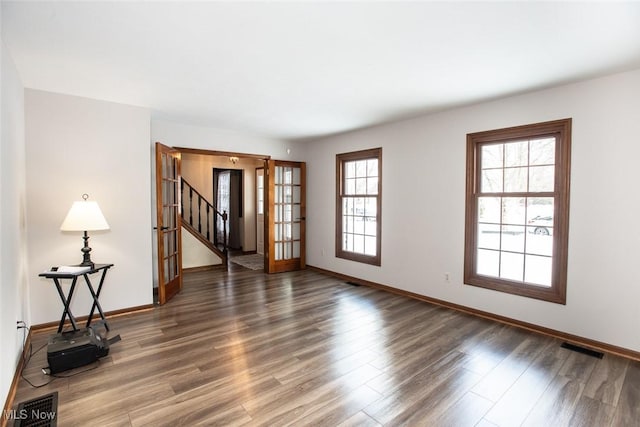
[287, 212]
[170, 210]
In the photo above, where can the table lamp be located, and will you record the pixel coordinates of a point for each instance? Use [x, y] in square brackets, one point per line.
[85, 216]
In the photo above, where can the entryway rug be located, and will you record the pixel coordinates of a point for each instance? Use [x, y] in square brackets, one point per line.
[252, 262]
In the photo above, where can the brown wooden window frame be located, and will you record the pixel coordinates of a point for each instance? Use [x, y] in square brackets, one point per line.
[561, 130]
[341, 194]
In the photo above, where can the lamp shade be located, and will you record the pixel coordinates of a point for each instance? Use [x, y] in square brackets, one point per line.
[84, 216]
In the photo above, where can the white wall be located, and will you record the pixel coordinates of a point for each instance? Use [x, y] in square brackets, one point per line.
[195, 254]
[207, 138]
[13, 279]
[75, 146]
[423, 204]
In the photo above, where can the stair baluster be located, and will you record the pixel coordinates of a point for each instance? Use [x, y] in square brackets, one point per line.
[199, 214]
[190, 204]
[181, 198]
[208, 234]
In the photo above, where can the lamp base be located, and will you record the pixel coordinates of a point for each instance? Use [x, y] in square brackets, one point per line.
[87, 264]
[86, 256]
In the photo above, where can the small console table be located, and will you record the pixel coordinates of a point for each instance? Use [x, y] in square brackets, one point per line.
[57, 274]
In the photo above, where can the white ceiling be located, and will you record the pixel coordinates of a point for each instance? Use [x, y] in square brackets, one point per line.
[302, 70]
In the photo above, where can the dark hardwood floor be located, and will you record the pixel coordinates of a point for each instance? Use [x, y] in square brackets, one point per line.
[302, 348]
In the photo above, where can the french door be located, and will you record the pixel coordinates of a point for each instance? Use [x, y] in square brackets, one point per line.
[169, 223]
[286, 216]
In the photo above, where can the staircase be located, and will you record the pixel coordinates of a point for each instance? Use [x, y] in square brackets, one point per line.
[199, 218]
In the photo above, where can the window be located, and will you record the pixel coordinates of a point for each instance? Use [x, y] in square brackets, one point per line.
[358, 203]
[517, 210]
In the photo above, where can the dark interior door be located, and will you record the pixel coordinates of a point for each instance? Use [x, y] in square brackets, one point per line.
[227, 196]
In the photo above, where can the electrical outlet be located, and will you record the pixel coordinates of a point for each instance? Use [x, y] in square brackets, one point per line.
[446, 277]
[322, 251]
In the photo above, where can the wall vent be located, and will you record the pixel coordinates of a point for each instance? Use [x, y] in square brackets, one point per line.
[40, 412]
[582, 350]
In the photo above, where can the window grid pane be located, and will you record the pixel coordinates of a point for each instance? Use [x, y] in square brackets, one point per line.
[515, 234]
[522, 226]
[360, 177]
[287, 207]
[359, 225]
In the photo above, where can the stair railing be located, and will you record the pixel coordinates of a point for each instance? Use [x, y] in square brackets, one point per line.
[202, 215]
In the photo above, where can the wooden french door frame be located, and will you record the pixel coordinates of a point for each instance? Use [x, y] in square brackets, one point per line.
[285, 232]
[169, 222]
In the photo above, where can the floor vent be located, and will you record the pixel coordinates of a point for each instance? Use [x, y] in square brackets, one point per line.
[582, 350]
[353, 283]
[40, 412]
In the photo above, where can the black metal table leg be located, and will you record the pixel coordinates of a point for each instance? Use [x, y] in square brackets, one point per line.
[96, 303]
[66, 301]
